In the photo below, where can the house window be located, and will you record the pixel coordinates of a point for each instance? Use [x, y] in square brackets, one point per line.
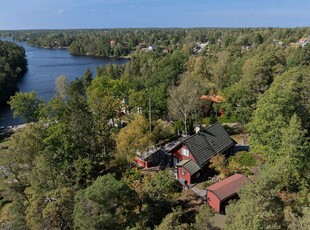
[185, 152]
[182, 172]
[198, 175]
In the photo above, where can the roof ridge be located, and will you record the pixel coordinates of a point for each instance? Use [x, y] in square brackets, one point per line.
[211, 144]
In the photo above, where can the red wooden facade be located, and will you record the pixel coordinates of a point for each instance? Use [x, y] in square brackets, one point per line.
[182, 173]
[177, 153]
[213, 201]
[141, 162]
[221, 192]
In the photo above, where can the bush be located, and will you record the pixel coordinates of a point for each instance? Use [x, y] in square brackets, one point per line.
[241, 163]
[244, 159]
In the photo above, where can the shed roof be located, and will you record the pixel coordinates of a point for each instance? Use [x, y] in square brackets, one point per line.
[229, 186]
[149, 152]
[206, 143]
[189, 165]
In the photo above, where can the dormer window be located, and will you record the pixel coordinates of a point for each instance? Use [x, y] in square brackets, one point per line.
[185, 152]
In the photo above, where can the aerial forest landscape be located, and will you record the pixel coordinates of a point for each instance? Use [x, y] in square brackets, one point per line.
[165, 115]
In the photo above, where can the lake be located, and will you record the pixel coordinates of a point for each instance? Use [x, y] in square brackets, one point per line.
[44, 66]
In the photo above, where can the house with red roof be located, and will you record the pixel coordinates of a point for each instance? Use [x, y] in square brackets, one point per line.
[219, 194]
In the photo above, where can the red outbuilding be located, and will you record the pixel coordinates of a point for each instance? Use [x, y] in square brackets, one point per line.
[221, 192]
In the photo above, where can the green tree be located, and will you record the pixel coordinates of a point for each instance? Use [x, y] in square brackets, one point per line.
[220, 69]
[239, 102]
[51, 210]
[274, 111]
[162, 186]
[202, 218]
[106, 204]
[26, 105]
[13, 64]
[295, 222]
[16, 164]
[172, 221]
[287, 174]
[294, 155]
[259, 206]
[87, 78]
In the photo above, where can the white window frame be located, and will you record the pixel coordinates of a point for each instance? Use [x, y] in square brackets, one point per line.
[185, 152]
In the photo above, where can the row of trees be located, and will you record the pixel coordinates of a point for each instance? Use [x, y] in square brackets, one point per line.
[13, 64]
[125, 41]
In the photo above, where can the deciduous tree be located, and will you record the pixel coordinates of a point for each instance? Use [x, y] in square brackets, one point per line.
[26, 105]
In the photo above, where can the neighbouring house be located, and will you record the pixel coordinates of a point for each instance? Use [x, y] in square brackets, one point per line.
[142, 45]
[199, 47]
[303, 41]
[245, 48]
[112, 43]
[213, 99]
[166, 51]
[192, 156]
[151, 48]
[219, 194]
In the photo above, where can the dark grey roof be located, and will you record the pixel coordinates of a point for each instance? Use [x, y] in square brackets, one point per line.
[189, 165]
[208, 142]
[183, 162]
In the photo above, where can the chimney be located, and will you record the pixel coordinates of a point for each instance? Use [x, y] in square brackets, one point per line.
[197, 128]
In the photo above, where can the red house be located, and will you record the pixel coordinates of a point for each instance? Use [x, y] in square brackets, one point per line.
[220, 193]
[192, 156]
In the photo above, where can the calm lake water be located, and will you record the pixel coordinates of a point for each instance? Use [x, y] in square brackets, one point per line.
[44, 66]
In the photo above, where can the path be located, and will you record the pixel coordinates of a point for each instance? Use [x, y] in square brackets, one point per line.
[198, 191]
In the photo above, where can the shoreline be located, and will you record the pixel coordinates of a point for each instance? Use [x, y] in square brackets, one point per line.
[67, 47]
[88, 55]
[7, 131]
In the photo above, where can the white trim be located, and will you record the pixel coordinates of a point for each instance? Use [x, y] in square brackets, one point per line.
[185, 152]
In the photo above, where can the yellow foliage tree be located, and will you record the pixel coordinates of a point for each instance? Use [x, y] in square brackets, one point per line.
[134, 137]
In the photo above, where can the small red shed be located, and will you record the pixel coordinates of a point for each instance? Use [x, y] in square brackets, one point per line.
[221, 192]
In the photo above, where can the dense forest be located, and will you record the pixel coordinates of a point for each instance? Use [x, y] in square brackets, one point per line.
[13, 64]
[72, 166]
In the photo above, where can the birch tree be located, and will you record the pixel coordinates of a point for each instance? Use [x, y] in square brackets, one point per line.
[184, 99]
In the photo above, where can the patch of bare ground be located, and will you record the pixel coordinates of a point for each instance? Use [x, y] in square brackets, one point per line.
[190, 200]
